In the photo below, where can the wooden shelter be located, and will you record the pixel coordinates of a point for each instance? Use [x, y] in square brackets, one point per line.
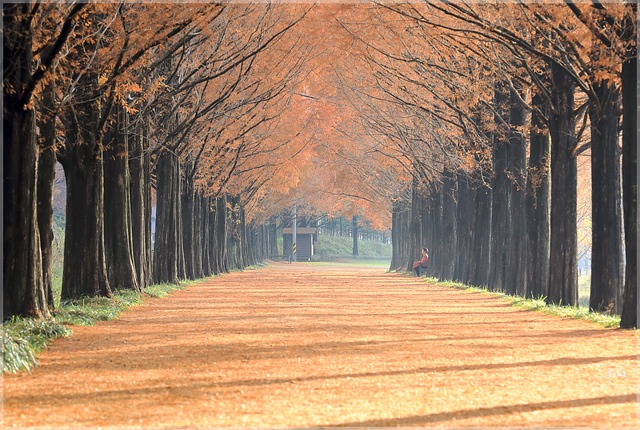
[305, 239]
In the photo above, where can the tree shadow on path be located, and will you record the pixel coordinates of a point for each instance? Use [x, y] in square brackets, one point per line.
[419, 420]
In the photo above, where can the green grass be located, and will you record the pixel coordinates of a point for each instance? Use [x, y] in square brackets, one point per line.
[24, 338]
[540, 305]
[329, 248]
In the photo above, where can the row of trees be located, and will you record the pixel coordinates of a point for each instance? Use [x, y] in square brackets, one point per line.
[143, 106]
[489, 106]
[459, 124]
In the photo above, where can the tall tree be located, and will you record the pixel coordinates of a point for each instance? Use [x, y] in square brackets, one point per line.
[46, 176]
[354, 234]
[501, 203]
[121, 269]
[538, 202]
[629, 317]
[563, 264]
[23, 291]
[517, 273]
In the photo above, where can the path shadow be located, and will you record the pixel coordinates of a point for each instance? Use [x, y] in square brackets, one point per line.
[419, 420]
[194, 390]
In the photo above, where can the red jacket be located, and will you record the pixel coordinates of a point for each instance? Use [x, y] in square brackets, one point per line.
[422, 262]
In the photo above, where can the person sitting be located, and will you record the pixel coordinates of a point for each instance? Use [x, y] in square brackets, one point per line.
[422, 263]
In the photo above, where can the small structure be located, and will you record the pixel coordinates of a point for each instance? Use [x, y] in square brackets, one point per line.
[305, 239]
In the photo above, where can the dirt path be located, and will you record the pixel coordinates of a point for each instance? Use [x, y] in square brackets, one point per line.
[301, 345]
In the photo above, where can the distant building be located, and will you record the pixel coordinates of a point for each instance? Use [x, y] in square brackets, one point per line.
[305, 239]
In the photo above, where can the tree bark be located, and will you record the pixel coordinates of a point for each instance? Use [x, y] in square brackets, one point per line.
[85, 271]
[355, 235]
[148, 208]
[433, 232]
[23, 291]
[46, 177]
[501, 205]
[165, 258]
[629, 317]
[606, 242]
[137, 192]
[204, 214]
[221, 234]
[481, 260]
[198, 243]
[464, 217]
[273, 240]
[117, 206]
[537, 201]
[213, 252]
[242, 236]
[400, 238]
[187, 198]
[449, 231]
[563, 264]
[516, 272]
[415, 225]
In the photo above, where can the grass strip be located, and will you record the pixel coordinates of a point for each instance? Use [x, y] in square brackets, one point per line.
[539, 305]
[24, 338]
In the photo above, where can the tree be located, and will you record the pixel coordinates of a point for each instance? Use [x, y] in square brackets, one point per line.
[23, 290]
[563, 269]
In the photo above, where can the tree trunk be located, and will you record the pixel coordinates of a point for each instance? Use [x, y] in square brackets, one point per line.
[182, 265]
[23, 291]
[538, 204]
[516, 272]
[245, 237]
[415, 226]
[273, 239]
[198, 244]
[433, 234]
[137, 193]
[187, 199]
[563, 264]
[606, 242]
[213, 253]
[400, 238]
[204, 214]
[243, 251]
[355, 236]
[449, 231]
[235, 239]
[501, 207]
[46, 176]
[165, 256]
[85, 271]
[481, 256]
[221, 234]
[117, 207]
[148, 214]
[464, 216]
[629, 318]
[148, 208]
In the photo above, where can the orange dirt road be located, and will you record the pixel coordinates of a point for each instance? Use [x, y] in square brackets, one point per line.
[307, 345]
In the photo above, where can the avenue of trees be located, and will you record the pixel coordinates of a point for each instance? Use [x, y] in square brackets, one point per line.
[456, 125]
[488, 106]
[143, 106]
